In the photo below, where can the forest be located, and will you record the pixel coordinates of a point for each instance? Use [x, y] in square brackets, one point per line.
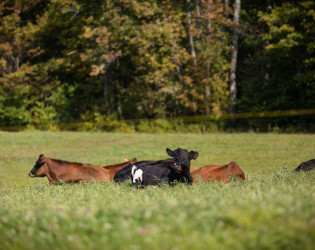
[132, 65]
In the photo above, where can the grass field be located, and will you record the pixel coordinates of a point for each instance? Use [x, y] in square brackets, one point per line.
[273, 209]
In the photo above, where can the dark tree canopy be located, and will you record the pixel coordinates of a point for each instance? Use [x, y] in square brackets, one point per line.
[67, 61]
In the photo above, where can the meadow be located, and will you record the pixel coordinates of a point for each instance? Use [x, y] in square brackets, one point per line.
[272, 209]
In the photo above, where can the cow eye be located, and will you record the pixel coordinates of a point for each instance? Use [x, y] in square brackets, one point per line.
[39, 164]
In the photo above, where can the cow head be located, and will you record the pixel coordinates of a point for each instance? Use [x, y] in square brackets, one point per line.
[39, 169]
[182, 159]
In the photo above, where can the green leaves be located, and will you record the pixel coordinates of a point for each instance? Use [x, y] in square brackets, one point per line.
[287, 25]
[131, 59]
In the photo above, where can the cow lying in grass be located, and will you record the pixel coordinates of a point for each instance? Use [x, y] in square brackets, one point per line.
[169, 171]
[306, 166]
[218, 173]
[125, 173]
[73, 172]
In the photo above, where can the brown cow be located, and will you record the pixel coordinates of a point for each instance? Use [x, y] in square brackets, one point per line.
[68, 172]
[217, 173]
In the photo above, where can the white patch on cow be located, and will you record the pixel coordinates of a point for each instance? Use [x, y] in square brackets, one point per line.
[134, 168]
[137, 176]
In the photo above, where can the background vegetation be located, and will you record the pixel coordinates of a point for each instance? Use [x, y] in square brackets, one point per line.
[69, 61]
[272, 209]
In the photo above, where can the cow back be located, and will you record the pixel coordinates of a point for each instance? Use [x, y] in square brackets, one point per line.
[192, 169]
[125, 173]
[218, 173]
[163, 172]
[113, 169]
[306, 166]
[72, 172]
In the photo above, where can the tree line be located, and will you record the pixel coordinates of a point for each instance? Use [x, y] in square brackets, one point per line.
[65, 61]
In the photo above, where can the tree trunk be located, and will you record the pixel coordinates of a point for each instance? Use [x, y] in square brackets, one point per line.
[207, 88]
[119, 107]
[225, 14]
[107, 83]
[237, 9]
[302, 106]
[191, 39]
[208, 17]
[178, 68]
[108, 74]
[301, 89]
[198, 19]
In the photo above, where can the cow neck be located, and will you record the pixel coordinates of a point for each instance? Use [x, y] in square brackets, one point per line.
[117, 167]
[52, 174]
[187, 175]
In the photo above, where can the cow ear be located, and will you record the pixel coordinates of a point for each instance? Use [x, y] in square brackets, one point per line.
[40, 156]
[193, 155]
[170, 152]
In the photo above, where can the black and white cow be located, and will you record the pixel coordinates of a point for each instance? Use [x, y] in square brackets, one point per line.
[125, 173]
[306, 166]
[178, 169]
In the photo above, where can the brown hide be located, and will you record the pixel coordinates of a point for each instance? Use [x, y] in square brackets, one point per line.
[217, 172]
[113, 169]
[69, 172]
[192, 169]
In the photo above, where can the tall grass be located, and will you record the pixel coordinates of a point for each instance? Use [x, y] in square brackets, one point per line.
[272, 209]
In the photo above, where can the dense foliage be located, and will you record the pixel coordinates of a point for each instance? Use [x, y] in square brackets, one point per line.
[65, 61]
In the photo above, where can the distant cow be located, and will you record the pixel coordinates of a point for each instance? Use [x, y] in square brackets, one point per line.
[68, 172]
[218, 173]
[167, 171]
[306, 166]
[72, 172]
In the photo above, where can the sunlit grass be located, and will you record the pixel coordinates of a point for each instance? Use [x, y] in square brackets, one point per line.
[272, 209]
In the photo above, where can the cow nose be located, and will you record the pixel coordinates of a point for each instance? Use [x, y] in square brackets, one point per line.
[178, 168]
[30, 174]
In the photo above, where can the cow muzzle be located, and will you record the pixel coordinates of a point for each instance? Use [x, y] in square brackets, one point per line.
[178, 169]
[31, 175]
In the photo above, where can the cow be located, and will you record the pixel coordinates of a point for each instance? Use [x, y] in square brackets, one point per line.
[125, 173]
[218, 173]
[72, 172]
[306, 166]
[169, 171]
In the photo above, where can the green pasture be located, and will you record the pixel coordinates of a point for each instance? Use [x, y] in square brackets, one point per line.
[273, 209]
